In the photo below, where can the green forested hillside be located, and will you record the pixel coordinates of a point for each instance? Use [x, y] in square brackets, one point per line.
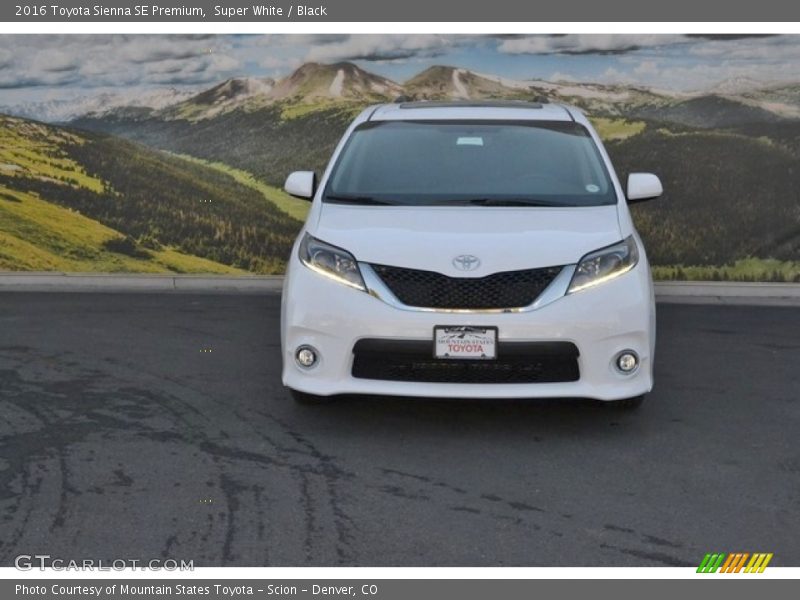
[137, 205]
[730, 195]
[269, 142]
[729, 163]
[36, 235]
[727, 196]
[706, 112]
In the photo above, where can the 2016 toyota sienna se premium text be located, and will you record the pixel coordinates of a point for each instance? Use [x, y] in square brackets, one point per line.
[469, 250]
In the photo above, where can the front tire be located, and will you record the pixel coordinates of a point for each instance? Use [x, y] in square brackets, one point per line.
[309, 399]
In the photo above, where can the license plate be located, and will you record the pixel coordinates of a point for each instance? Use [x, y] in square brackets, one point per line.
[460, 342]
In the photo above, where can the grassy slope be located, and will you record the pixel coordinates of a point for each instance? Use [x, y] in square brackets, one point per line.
[616, 129]
[36, 235]
[41, 236]
[186, 216]
[294, 207]
[36, 150]
[748, 269]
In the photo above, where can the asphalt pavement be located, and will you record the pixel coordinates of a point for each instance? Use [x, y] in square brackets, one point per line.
[152, 426]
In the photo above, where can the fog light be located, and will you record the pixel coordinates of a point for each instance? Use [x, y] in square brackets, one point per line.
[627, 361]
[306, 356]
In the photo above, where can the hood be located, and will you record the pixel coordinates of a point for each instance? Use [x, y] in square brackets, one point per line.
[503, 239]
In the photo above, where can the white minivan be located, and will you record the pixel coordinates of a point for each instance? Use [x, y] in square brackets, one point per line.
[469, 250]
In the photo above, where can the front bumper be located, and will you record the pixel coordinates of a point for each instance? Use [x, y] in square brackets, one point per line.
[600, 321]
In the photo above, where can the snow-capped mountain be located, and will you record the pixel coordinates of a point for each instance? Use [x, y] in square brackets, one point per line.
[59, 111]
[314, 81]
[315, 84]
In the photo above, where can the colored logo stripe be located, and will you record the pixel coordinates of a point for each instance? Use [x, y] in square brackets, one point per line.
[758, 563]
[710, 563]
[734, 562]
[728, 565]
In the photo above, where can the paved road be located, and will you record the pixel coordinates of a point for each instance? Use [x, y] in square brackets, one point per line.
[121, 438]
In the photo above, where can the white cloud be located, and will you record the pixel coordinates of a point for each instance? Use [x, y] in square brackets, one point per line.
[5, 58]
[699, 77]
[381, 47]
[222, 62]
[614, 75]
[54, 61]
[63, 64]
[559, 76]
[744, 47]
[585, 43]
[101, 61]
[160, 48]
[276, 63]
[646, 68]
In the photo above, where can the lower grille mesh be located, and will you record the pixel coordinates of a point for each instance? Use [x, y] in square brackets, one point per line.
[412, 361]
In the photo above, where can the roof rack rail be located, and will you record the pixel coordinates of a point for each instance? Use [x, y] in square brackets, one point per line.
[524, 104]
[404, 99]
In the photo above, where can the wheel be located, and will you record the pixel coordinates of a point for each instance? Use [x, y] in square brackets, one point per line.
[626, 403]
[309, 399]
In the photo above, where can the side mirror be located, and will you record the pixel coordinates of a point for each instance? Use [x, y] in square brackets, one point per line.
[643, 186]
[301, 184]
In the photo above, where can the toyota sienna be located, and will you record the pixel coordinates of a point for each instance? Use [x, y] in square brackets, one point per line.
[469, 250]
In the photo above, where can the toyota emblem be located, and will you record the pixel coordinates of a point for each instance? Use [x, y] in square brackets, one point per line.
[466, 262]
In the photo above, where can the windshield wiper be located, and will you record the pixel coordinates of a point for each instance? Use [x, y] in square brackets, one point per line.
[367, 200]
[507, 202]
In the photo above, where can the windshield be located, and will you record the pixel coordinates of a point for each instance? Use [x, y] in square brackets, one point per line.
[482, 163]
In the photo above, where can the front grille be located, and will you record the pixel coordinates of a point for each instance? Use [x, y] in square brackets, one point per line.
[427, 289]
[516, 362]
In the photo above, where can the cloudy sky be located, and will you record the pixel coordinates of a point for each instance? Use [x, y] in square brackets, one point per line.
[42, 67]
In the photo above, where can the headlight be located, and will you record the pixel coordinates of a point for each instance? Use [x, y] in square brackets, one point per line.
[604, 264]
[331, 261]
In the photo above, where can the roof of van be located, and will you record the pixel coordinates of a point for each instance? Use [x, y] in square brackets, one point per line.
[510, 110]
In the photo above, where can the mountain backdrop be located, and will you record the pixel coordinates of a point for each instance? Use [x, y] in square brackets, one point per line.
[188, 182]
